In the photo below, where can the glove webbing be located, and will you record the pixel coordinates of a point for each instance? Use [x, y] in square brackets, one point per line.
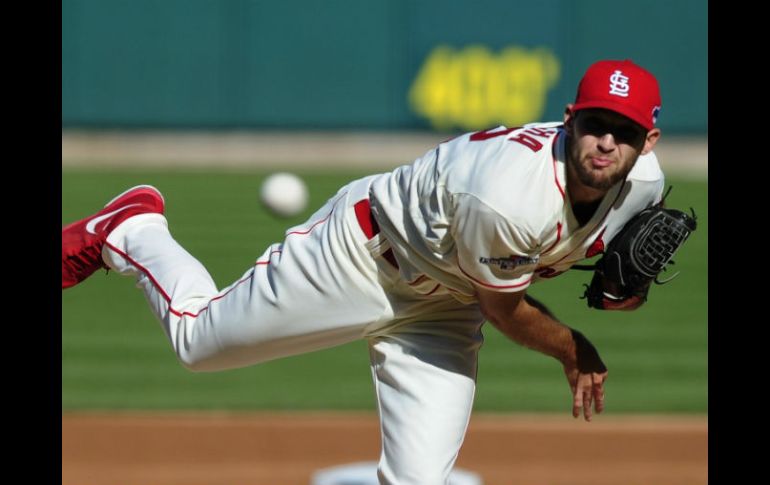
[652, 251]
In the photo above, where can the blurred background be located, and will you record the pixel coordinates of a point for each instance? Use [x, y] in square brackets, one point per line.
[364, 81]
[204, 99]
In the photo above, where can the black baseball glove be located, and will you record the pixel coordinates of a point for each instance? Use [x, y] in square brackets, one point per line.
[635, 257]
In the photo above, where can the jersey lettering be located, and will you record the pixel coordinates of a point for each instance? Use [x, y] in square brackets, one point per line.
[487, 134]
[528, 141]
[541, 132]
[527, 137]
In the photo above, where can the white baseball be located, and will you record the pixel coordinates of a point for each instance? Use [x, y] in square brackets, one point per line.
[284, 194]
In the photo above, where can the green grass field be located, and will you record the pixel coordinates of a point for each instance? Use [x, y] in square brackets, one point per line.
[115, 356]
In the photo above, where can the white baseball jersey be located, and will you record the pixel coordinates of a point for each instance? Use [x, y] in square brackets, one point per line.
[488, 208]
[492, 208]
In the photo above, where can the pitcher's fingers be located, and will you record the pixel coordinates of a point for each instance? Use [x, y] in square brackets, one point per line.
[599, 406]
[577, 403]
[598, 392]
[598, 399]
[587, 413]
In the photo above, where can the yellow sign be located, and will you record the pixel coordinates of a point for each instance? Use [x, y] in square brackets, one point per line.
[473, 88]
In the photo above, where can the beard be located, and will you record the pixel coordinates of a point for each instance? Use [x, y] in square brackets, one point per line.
[599, 179]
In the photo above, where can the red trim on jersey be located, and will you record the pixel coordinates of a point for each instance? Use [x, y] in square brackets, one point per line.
[553, 145]
[166, 295]
[601, 221]
[558, 238]
[553, 159]
[433, 290]
[597, 246]
[488, 285]
[487, 134]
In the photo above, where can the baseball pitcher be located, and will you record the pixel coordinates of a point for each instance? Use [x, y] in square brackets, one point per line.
[417, 259]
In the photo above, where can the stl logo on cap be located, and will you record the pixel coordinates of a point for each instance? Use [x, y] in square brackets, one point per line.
[623, 87]
[619, 84]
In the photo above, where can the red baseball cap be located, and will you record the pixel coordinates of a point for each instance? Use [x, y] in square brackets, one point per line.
[623, 87]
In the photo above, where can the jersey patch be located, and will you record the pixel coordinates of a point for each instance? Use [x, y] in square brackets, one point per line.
[509, 263]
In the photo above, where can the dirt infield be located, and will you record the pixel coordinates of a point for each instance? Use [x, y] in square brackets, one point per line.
[286, 449]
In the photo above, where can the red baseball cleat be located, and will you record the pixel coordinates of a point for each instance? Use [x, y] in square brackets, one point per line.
[82, 241]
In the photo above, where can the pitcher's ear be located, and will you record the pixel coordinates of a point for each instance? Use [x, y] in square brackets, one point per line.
[569, 117]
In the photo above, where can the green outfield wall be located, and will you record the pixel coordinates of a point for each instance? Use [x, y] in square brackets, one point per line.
[385, 64]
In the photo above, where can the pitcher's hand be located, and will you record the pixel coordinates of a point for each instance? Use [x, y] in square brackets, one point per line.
[586, 388]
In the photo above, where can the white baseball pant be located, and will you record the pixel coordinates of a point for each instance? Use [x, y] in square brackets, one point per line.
[325, 285]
